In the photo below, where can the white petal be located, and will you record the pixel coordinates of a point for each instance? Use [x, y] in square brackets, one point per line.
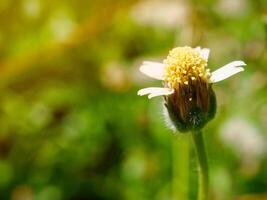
[155, 91]
[198, 49]
[153, 69]
[203, 52]
[226, 71]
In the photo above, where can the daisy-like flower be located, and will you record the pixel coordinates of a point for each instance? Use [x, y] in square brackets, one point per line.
[187, 85]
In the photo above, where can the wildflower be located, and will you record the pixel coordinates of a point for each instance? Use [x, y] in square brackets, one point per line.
[187, 85]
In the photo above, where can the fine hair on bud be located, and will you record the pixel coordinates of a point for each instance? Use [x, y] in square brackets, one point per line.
[191, 106]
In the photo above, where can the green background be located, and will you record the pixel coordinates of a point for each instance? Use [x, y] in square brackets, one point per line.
[72, 126]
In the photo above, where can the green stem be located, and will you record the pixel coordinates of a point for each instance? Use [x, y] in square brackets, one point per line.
[203, 178]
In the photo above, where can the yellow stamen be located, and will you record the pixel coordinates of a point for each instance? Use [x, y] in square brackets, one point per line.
[184, 64]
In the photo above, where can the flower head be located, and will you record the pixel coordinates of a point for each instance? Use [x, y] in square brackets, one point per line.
[184, 65]
[189, 98]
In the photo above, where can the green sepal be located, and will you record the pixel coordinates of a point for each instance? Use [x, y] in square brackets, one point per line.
[213, 106]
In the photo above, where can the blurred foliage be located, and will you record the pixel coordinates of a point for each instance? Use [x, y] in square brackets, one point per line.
[71, 124]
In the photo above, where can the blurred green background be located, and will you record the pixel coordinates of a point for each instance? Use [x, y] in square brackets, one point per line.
[72, 126]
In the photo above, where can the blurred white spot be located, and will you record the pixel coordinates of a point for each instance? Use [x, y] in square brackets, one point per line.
[232, 8]
[166, 13]
[113, 76]
[138, 165]
[61, 25]
[31, 8]
[244, 138]
[134, 166]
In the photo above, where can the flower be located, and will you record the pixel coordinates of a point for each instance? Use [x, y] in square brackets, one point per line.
[187, 91]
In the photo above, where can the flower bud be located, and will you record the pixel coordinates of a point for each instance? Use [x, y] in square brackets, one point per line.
[193, 102]
[191, 106]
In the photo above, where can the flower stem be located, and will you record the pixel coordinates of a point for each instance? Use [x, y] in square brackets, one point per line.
[203, 178]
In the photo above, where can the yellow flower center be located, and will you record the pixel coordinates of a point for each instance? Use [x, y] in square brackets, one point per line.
[184, 65]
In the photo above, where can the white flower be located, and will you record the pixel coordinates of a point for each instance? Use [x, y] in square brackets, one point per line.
[185, 66]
